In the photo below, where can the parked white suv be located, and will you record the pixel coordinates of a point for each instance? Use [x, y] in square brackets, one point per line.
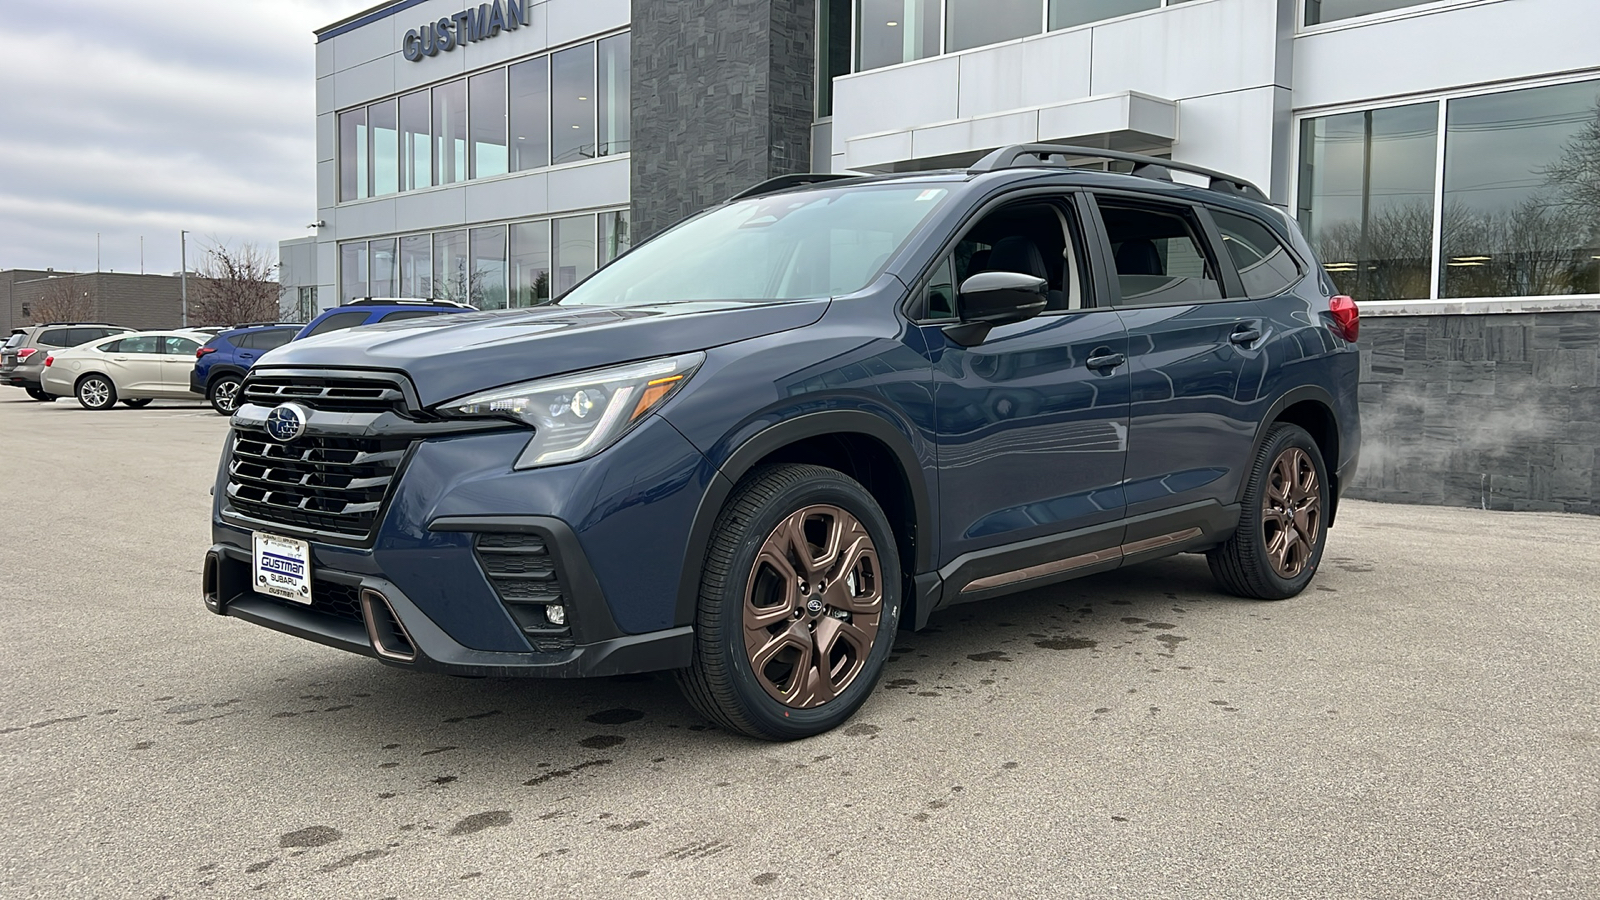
[134, 368]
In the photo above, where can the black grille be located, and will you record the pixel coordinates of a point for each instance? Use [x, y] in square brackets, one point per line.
[332, 393]
[332, 484]
[523, 572]
[329, 598]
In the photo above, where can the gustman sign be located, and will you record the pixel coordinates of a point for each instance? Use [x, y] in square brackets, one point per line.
[450, 32]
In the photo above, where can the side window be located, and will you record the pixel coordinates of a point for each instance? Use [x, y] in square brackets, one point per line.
[110, 347]
[1266, 266]
[140, 343]
[179, 346]
[56, 337]
[243, 341]
[277, 337]
[939, 299]
[85, 335]
[1159, 255]
[339, 322]
[409, 314]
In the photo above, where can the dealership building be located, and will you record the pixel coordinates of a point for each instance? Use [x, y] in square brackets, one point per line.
[1444, 157]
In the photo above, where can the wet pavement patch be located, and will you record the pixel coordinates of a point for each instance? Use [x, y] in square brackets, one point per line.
[479, 821]
[311, 836]
[1067, 644]
[616, 716]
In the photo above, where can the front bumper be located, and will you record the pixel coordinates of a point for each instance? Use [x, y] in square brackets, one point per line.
[391, 628]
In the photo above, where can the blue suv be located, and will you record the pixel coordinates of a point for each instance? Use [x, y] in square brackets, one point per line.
[757, 445]
[221, 363]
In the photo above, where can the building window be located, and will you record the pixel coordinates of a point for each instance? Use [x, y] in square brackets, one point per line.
[572, 104]
[530, 263]
[416, 152]
[530, 114]
[353, 271]
[1320, 11]
[613, 73]
[1069, 13]
[416, 266]
[1367, 198]
[574, 251]
[384, 135]
[833, 50]
[452, 268]
[615, 236]
[489, 267]
[976, 23]
[305, 307]
[450, 133]
[1522, 193]
[381, 268]
[897, 31]
[1514, 211]
[486, 96]
[353, 155]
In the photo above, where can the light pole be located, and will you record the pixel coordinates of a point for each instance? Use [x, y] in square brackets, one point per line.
[183, 275]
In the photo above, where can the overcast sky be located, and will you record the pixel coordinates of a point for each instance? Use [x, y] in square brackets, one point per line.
[139, 118]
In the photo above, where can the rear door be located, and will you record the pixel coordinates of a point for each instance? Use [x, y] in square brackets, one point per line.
[1192, 334]
[134, 364]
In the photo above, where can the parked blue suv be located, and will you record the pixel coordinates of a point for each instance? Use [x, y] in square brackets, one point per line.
[758, 444]
[220, 365]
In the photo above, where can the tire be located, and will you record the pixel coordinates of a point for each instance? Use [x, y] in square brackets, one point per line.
[772, 692]
[224, 394]
[96, 392]
[141, 403]
[40, 394]
[1273, 556]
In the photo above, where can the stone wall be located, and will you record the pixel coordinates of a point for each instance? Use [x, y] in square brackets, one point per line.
[722, 100]
[1499, 411]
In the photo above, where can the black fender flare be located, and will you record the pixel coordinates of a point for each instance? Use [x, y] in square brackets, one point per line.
[219, 371]
[762, 444]
[1289, 398]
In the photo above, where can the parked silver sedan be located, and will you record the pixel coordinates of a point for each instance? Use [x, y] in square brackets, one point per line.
[133, 368]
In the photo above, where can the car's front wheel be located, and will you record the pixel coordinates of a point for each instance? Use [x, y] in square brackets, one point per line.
[1283, 521]
[96, 392]
[224, 395]
[799, 600]
[41, 395]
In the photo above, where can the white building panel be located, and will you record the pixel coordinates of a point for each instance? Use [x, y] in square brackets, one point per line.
[372, 41]
[1232, 133]
[366, 218]
[896, 98]
[964, 135]
[365, 82]
[1441, 49]
[327, 137]
[589, 185]
[1190, 50]
[1032, 72]
[572, 20]
[507, 198]
[423, 210]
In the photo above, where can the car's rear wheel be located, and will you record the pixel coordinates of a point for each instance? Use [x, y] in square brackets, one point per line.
[140, 403]
[1283, 523]
[224, 395]
[96, 392]
[799, 600]
[41, 394]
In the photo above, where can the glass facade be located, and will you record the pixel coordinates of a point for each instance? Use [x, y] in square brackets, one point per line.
[975, 23]
[1515, 211]
[1069, 13]
[564, 107]
[489, 266]
[1367, 198]
[1320, 11]
[896, 31]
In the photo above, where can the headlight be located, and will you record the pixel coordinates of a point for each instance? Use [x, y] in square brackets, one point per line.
[576, 416]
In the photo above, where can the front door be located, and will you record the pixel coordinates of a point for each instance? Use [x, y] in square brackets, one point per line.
[1191, 338]
[177, 361]
[135, 365]
[1032, 421]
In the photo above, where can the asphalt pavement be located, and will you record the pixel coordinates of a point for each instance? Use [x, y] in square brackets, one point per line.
[1422, 722]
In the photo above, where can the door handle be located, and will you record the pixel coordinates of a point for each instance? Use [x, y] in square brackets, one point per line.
[1245, 335]
[1105, 360]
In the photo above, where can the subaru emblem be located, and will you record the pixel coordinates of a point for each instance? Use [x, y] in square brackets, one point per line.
[287, 422]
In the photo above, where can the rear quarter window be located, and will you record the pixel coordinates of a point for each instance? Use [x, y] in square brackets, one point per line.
[1266, 266]
[267, 340]
[54, 337]
[338, 322]
[409, 314]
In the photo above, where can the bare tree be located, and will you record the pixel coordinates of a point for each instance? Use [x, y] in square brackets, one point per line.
[63, 301]
[1576, 176]
[234, 285]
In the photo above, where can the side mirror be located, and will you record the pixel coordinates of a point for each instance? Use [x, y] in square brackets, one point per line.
[989, 299]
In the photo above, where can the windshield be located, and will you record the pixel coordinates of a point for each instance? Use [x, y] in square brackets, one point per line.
[795, 246]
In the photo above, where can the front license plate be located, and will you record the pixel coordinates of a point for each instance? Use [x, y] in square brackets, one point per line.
[283, 567]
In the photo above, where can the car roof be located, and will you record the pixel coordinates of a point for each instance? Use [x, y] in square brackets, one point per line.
[252, 329]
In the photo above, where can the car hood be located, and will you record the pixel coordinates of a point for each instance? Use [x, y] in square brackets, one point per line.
[455, 355]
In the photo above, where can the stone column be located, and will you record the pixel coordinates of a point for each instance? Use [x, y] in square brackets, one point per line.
[722, 99]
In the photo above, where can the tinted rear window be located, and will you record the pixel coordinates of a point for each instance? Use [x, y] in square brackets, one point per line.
[409, 314]
[337, 322]
[266, 340]
[15, 341]
[54, 337]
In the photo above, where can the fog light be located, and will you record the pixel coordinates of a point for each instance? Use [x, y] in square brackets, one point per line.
[556, 614]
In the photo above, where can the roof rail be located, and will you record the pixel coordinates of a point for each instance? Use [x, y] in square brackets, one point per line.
[784, 182]
[404, 301]
[266, 324]
[48, 324]
[1020, 155]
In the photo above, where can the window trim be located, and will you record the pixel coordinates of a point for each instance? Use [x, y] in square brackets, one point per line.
[1423, 8]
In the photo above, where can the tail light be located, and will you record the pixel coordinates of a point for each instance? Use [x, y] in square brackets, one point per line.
[203, 351]
[25, 352]
[49, 360]
[1346, 317]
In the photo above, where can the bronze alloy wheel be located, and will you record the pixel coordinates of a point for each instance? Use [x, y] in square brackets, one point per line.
[1291, 512]
[812, 606]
